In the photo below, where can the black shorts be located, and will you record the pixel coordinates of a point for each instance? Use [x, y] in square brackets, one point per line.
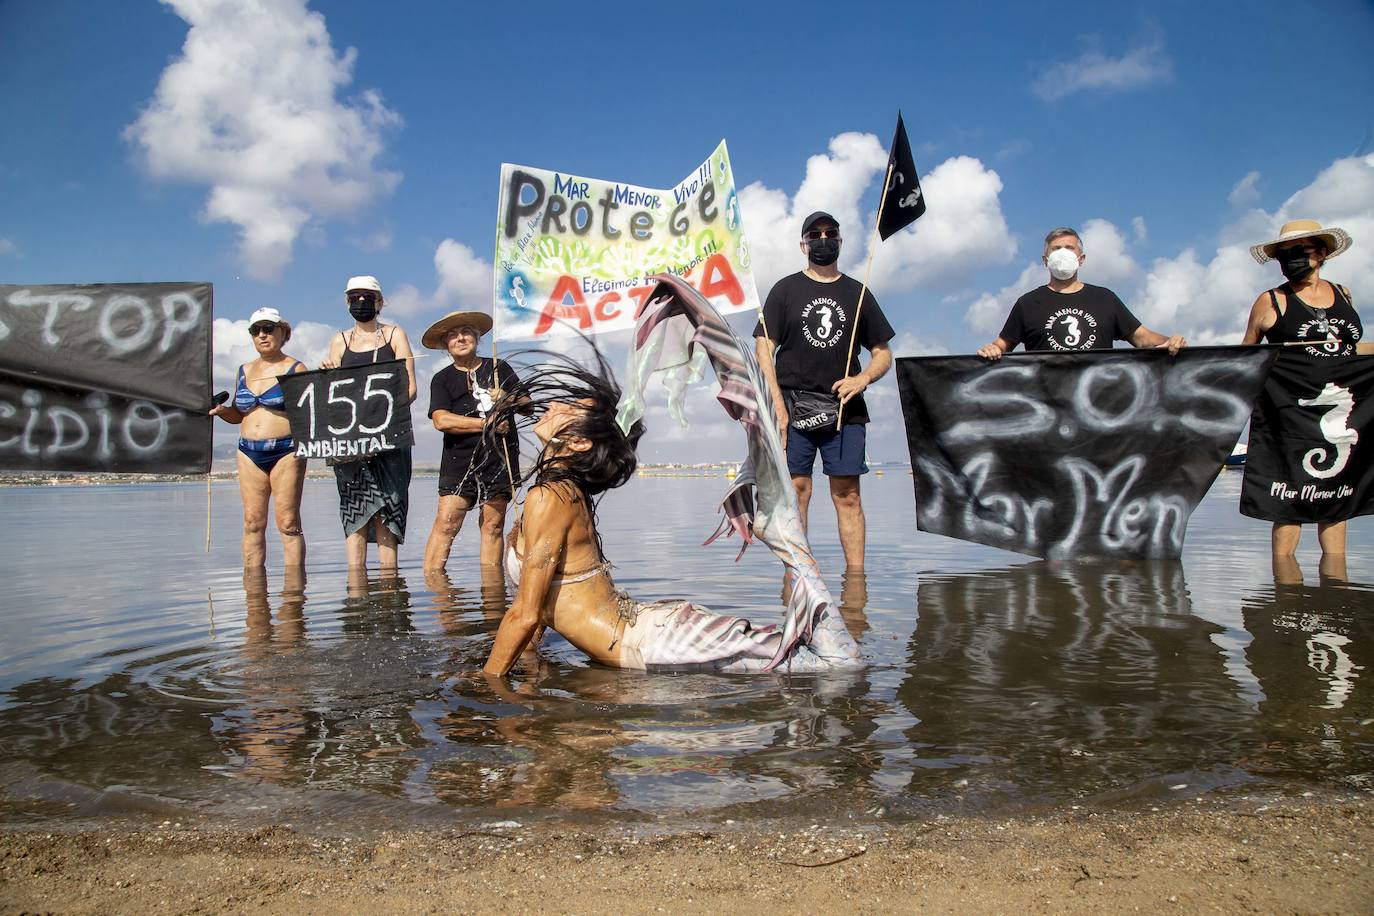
[469, 490]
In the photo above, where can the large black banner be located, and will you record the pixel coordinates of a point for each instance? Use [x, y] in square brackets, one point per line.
[349, 414]
[1072, 455]
[105, 378]
[1311, 458]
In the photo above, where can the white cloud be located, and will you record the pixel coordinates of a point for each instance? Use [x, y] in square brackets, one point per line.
[1207, 296]
[251, 109]
[1093, 70]
[989, 311]
[376, 241]
[7, 246]
[1108, 262]
[1245, 191]
[233, 347]
[464, 283]
[833, 183]
[909, 344]
[1138, 227]
[963, 230]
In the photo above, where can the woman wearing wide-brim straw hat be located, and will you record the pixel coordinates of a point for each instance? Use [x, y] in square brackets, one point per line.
[461, 395]
[374, 493]
[1306, 307]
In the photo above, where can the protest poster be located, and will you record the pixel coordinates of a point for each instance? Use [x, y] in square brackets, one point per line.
[1311, 458]
[349, 414]
[576, 254]
[1068, 456]
[106, 378]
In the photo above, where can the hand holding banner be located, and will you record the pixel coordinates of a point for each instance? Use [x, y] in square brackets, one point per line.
[1098, 453]
[349, 414]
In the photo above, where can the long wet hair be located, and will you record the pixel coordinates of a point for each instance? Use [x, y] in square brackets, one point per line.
[551, 378]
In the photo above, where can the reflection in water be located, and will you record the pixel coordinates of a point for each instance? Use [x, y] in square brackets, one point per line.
[1310, 650]
[1021, 675]
[357, 698]
[264, 737]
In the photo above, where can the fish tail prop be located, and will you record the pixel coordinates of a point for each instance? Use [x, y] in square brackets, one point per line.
[677, 333]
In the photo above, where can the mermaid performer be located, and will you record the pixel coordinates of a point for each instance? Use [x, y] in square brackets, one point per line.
[589, 431]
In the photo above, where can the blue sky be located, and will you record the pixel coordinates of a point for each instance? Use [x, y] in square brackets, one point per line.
[290, 147]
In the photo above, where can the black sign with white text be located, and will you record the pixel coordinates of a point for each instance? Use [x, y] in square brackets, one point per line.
[1311, 458]
[110, 378]
[349, 414]
[1074, 455]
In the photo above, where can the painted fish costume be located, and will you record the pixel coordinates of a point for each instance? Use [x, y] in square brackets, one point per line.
[677, 332]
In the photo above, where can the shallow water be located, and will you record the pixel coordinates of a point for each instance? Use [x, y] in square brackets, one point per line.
[140, 676]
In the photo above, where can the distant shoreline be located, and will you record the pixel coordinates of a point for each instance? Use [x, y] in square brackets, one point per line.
[13, 479]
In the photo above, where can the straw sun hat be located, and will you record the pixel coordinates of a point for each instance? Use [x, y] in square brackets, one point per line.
[1337, 240]
[433, 338]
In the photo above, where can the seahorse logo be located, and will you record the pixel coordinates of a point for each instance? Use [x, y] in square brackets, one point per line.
[911, 199]
[1334, 429]
[1074, 337]
[825, 329]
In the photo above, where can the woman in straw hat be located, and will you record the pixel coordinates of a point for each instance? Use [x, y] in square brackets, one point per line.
[268, 466]
[461, 396]
[374, 493]
[1306, 308]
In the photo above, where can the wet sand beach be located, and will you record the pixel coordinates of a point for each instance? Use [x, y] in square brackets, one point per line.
[1266, 856]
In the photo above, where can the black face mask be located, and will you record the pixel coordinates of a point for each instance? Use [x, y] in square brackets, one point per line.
[1296, 267]
[823, 252]
[363, 310]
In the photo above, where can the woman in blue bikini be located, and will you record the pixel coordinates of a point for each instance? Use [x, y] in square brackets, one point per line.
[267, 465]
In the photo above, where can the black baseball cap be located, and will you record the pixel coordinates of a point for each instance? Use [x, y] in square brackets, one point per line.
[815, 218]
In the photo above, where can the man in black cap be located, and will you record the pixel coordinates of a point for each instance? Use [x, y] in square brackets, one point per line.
[807, 324]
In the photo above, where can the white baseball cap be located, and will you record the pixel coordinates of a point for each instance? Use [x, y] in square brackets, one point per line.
[363, 283]
[267, 314]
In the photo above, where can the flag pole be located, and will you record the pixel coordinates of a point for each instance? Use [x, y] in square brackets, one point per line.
[872, 250]
[496, 385]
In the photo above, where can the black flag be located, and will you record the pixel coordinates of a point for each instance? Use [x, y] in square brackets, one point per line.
[1311, 456]
[903, 202]
[349, 414]
[1098, 453]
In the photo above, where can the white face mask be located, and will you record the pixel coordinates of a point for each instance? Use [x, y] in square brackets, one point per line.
[1063, 263]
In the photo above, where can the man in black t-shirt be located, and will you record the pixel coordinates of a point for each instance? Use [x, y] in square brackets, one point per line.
[460, 396]
[1068, 314]
[802, 344]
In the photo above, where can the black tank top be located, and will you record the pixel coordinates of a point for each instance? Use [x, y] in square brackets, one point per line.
[363, 357]
[1334, 330]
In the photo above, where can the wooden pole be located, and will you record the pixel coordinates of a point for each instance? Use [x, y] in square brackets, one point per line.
[872, 249]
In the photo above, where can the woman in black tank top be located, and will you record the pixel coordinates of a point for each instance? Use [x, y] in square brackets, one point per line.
[374, 493]
[1307, 308]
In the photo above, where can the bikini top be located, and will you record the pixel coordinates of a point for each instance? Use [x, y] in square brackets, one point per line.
[273, 398]
[515, 565]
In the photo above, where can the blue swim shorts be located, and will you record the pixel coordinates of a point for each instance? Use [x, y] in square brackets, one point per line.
[842, 453]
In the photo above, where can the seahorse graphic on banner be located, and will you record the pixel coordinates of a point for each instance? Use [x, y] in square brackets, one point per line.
[1334, 430]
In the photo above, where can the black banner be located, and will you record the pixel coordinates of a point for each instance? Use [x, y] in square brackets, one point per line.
[110, 378]
[349, 414]
[1074, 455]
[1311, 457]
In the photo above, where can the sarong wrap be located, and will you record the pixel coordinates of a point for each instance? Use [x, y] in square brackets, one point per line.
[676, 334]
[377, 486]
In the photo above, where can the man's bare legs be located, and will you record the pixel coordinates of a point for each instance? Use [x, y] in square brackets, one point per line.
[849, 512]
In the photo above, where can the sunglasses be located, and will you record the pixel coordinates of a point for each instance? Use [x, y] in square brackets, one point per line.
[1306, 250]
[815, 235]
[362, 297]
[263, 327]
